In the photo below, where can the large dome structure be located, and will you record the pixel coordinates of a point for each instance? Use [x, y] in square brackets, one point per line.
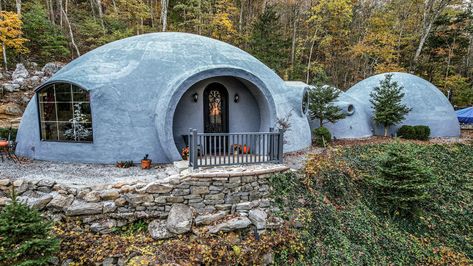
[141, 95]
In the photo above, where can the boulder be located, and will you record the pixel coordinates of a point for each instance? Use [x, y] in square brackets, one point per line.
[51, 68]
[209, 218]
[60, 202]
[10, 109]
[11, 87]
[179, 219]
[46, 183]
[109, 207]
[20, 72]
[110, 194]
[104, 226]
[230, 225]
[156, 188]
[4, 201]
[258, 217]
[157, 229]
[83, 208]
[40, 203]
[92, 196]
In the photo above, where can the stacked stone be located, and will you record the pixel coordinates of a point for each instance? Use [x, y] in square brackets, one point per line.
[122, 203]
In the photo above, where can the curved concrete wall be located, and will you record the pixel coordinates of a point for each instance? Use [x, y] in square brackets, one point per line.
[135, 86]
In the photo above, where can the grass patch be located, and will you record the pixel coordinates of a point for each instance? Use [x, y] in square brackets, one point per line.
[345, 222]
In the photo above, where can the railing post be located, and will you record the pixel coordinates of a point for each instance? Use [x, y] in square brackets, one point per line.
[281, 146]
[271, 144]
[194, 149]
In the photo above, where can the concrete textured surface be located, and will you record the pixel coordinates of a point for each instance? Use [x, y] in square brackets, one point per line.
[429, 107]
[135, 87]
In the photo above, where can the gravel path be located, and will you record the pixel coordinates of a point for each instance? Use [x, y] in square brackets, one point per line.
[81, 174]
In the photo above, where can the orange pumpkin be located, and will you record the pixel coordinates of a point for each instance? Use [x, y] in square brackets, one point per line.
[3, 143]
[246, 149]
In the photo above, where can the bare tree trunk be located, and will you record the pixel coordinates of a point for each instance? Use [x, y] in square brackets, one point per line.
[71, 34]
[294, 36]
[114, 6]
[310, 55]
[151, 12]
[18, 7]
[432, 10]
[61, 8]
[240, 21]
[99, 8]
[4, 50]
[469, 56]
[164, 14]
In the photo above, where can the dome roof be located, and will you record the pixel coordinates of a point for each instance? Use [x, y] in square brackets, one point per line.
[156, 56]
[429, 106]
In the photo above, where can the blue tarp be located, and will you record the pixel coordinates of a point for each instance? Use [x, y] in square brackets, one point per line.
[465, 116]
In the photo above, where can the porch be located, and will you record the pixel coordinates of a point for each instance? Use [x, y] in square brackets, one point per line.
[223, 149]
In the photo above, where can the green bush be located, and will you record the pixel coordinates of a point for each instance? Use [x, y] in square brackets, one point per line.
[322, 136]
[422, 132]
[406, 132]
[414, 132]
[25, 238]
[4, 133]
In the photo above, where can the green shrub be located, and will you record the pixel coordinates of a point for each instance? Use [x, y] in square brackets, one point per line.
[414, 132]
[322, 136]
[422, 132]
[406, 132]
[4, 133]
[25, 238]
[402, 181]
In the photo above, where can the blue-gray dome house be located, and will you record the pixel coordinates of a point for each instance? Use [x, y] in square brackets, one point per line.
[141, 95]
[428, 104]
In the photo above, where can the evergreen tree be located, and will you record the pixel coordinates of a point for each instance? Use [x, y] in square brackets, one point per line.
[386, 100]
[46, 41]
[25, 238]
[321, 107]
[267, 42]
[402, 181]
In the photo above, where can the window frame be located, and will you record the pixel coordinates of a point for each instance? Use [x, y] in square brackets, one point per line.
[38, 109]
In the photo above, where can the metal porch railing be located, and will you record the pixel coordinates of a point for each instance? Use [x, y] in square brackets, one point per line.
[219, 149]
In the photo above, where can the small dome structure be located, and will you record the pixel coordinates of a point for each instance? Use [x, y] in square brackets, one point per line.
[141, 95]
[356, 124]
[429, 105]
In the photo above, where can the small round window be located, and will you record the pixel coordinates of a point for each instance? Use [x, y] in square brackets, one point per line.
[305, 102]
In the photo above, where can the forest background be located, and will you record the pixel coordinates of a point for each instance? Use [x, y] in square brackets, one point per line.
[336, 42]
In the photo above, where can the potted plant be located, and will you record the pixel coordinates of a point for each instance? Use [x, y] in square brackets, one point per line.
[185, 153]
[146, 163]
[236, 149]
[246, 149]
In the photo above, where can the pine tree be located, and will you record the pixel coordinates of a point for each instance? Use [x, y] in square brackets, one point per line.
[268, 43]
[321, 104]
[78, 121]
[46, 41]
[402, 181]
[386, 100]
[25, 238]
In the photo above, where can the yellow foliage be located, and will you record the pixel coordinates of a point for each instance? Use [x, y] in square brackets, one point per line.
[222, 25]
[11, 31]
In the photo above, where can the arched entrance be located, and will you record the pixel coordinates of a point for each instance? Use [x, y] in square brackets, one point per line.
[216, 109]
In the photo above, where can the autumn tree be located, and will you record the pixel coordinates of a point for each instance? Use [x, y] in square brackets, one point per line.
[10, 34]
[222, 25]
[386, 100]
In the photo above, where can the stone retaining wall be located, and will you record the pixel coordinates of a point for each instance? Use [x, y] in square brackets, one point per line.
[122, 203]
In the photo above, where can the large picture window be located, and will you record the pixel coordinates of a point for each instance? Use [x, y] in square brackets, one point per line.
[64, 113]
